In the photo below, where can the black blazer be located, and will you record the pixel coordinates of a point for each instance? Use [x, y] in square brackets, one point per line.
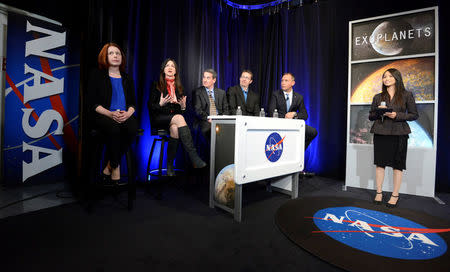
[278, 101]
[169, 108]
[201, 102]
[397, 126]
[236, 98]
[100, 91]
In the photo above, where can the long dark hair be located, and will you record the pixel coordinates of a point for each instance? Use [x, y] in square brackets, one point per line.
[162, 78]
[399, 88]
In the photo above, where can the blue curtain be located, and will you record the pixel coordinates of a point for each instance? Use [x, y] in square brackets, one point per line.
[311, 42]
[204, 34]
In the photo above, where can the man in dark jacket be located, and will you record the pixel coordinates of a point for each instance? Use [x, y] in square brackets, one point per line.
[209, 101]
[243, 96]
[289, 104]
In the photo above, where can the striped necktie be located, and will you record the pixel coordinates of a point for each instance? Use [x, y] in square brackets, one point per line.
[212, 105]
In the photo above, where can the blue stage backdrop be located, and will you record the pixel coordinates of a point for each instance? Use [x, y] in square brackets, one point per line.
[204, 35]
[41, 101]
[310, 41]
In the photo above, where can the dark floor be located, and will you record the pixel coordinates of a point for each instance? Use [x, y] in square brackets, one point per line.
[24, 199]
[177, 233]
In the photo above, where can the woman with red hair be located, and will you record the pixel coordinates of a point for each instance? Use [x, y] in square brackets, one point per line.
[111, 107]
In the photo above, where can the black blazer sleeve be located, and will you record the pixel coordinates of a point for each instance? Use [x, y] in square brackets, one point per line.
[93, 91]
[273, 104]
[411, 110]
[232, 103]
[225, 109]
[130, 96]
[253, 103]
[302, 113]
[375, 103]
[100, 90]
[154, 99]
[199, 106]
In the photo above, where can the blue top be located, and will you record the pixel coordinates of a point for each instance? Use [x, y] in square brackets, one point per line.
[118, 96]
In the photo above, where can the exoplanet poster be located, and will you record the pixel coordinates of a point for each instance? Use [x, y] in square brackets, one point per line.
[408, 34]
[408, 42]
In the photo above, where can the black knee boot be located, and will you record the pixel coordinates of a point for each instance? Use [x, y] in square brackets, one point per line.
[185, 136]
[171, 154]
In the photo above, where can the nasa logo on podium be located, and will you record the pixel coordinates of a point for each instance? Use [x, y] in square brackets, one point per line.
[380, 233]
[274, 147]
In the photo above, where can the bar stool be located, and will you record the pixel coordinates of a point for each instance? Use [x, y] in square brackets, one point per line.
[163, 138]
[96, 186]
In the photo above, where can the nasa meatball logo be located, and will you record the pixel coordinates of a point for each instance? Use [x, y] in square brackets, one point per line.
[274, 147]
[380, 233]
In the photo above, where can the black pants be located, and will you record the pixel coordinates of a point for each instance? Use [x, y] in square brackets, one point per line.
[310, 134]
[205, 127]
[117, 136]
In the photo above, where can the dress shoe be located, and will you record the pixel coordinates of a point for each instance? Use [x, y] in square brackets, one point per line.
[389, 205]
[378, 202]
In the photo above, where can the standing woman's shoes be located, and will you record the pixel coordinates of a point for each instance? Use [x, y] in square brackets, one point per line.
[378, 202]
[389, 205]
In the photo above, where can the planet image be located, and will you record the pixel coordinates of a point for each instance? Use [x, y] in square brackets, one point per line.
[224, 186]
[417, 73]
[421, 129]
[386, 40]
[419, 137]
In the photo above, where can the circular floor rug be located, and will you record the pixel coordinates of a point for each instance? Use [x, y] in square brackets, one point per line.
[358, 236]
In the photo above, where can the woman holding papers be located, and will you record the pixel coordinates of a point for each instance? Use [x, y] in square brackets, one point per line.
[390, 110]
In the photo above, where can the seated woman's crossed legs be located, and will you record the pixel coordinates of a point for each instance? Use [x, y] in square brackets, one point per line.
[179, 130]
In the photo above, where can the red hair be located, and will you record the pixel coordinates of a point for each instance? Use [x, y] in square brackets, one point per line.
[103, 57]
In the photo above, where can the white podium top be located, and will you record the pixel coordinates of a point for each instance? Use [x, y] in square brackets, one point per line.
[223, 117]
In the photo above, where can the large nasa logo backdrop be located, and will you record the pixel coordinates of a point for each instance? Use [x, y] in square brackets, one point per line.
[41, 101]
[359, 236]
[380, 233]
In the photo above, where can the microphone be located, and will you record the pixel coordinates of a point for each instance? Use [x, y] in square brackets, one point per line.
[382, 105]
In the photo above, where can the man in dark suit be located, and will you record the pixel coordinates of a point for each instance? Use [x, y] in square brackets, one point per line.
[289, 104]
[209, 101]
[241, 95]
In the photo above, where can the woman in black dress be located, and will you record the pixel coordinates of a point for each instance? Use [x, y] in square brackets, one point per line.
[391, 131]
[167, 105]
[111, 107]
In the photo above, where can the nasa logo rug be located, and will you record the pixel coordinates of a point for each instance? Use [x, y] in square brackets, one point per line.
[274, 147]
[359, 236]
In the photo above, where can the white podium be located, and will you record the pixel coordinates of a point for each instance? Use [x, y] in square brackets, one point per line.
[246, 149]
